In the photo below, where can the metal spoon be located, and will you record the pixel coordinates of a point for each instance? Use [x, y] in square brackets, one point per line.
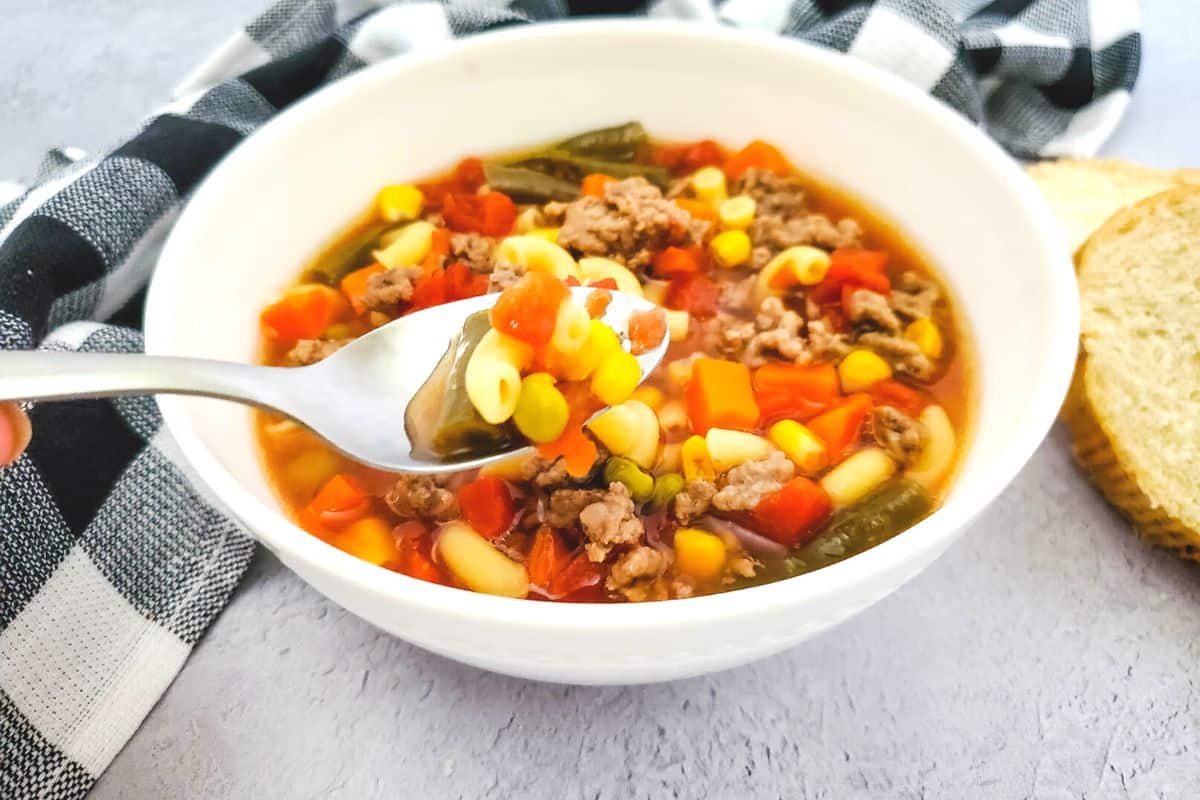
[355, 399]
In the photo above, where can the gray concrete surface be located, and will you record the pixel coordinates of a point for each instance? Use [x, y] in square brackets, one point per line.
[1047, 655]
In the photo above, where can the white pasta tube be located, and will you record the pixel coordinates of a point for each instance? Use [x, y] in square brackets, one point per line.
[537, 255]
[493, 375]
[571, 327]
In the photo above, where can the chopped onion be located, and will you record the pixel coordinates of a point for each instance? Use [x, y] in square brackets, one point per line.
[753, 543]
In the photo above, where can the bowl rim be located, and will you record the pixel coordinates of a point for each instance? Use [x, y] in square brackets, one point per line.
[271, 527]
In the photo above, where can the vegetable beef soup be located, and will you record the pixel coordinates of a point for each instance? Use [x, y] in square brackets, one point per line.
[812, 403]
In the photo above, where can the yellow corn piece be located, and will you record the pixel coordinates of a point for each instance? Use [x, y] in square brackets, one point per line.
[936, 458]
[478, 564]
[616, 377]
[399, 202]
[925, 335]
[601, 341]
[731, 248]
[410, 245]
[656, 292]
[596, 269]
[737, 213]
[697, 465]
[799, 444]
[729, 448]
[629, 429]
[370, 539]
[670, 459]
[801, 264]
[862, 369]
[855, 477]
[509, 469]
[672, 416]
[541, 412]
[699, 553]
[650, 395]
[549, 234]
[709, 184]
[677, 324]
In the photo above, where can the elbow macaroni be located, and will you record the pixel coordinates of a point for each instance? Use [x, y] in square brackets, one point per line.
[728, 448]
[493, 375]
[536, 254]
[597, 269]
[571, 328]
[408, 247]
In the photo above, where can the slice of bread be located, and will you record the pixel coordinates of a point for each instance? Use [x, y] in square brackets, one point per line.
[1134, 408]
[1083, 193]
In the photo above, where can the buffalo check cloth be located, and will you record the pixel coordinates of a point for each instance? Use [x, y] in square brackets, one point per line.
[112, 561]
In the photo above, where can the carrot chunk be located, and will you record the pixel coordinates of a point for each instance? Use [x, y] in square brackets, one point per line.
[839, 427]
[720, 395]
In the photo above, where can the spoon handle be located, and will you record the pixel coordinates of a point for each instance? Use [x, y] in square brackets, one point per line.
[47, 375]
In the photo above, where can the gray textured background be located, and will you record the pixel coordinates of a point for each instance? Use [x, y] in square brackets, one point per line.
[1048, 654]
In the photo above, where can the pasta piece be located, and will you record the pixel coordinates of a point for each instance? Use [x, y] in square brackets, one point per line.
[536, 254]
[409, 246]
[937, 457]
[571, 327]
[493, 376]
[629, 429]
[858, 476]
[728, 448]
[597, 269]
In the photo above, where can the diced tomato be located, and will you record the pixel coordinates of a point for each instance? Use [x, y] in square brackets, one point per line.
[848, 270]
[597, 303]
[429, 291]
[303, 313]
[760, 155]
[491, 214]
[547, 557]
[527, 310]
[593, 185]
[439, 248]
[487, 506]
[469, 174]
[415, 558]
[684, 158]
[466, 179]
[571, 280]
[604, 283]
[646, 329]
[579, 573]
[775, 405]
[694, 293]
[674, 261]
[463, 282]
[897, 395]
[839, 427]
[793, 513]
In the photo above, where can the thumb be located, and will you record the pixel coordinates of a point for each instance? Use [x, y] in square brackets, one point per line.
[15, 432]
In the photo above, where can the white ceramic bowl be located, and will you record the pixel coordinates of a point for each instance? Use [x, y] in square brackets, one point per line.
[272, 203]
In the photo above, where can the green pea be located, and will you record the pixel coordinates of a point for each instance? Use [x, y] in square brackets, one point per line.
[640, 483]
[666, 486]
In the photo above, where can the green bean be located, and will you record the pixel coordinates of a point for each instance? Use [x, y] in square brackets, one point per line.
[894, 507]
[618, 143]
[458, 431]
[527, 185]
[666, 486]
[349, 255]
[622, 470]
[570, 167]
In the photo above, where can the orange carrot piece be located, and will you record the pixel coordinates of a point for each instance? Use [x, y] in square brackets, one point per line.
[839, 427]
[720, 395]
[697, 208]
[593, 185]
[760, 155]
[354, 285]
[302, 314]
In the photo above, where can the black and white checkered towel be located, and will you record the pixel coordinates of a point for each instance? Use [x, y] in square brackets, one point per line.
[111, 563]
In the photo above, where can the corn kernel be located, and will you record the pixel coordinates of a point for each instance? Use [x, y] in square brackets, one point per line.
[862, 369]
[699, 553]
[728, 448]
[799, 444]
[400, 202]
[672, 416]
[709, 184]
[731, 248]
[855, 477]
[697, 466]
[616, 377]
[650, 395]
[549, 234]
[677, 324]
[925, 335]
[737, 213]
[601, 341]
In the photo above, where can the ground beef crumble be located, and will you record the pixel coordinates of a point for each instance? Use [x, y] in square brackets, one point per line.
[871, 309]
[694, 500]
[504, 276]
[564, 505]
[629, 225]
[473, 249]
[904, 356]
[899, 434]
[388, 289]
[610, 522]
[422, 497]
[637, 574]
[310, 351]
[744, 486]
[545, 474]
[914, 297]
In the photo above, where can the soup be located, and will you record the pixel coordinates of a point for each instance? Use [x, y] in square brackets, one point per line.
[812, 403]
